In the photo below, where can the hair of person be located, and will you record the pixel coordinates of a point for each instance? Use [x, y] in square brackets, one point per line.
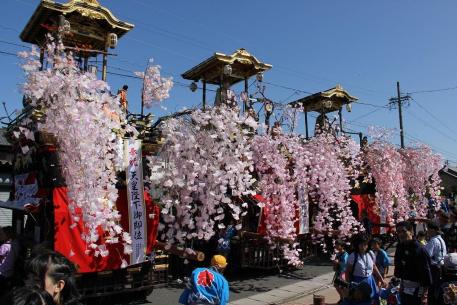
[376, 241]
[9, 232]
[340, 242]
[125, 87]
[405, 224]
[29, 296]
[58, 268]
[421, 234]
[358, 240]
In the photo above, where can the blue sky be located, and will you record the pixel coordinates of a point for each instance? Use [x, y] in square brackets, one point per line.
[366, 46]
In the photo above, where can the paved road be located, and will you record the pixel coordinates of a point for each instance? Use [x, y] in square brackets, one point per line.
[250, 282]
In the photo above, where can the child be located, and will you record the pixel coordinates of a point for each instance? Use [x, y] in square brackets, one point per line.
[339, 264]
[391, 294]
[421, 238]
[382, 259]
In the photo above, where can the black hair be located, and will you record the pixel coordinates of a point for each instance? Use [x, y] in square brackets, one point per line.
[340, 242]
[405, 224]
[358, 240]
[9, 232]
[29, 296]
[421, 234]
[58, 268]
[376, 241]
[125, 87]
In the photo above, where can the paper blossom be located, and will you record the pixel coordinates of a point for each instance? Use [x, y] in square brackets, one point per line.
[155, 87]
[82, 114]
[207, 161]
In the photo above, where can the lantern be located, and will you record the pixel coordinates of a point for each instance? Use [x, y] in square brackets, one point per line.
[112, 40]
[349, 107]
[193, 87]
[259, 76]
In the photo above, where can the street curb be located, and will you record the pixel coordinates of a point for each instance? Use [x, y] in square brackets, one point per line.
[302, 295]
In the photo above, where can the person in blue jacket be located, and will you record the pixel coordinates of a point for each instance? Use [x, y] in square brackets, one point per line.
[207, 286]
[382, 259]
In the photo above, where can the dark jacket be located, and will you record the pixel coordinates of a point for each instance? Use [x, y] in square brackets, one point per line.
[412, 263]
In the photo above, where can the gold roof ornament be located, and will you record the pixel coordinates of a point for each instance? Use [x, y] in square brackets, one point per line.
[90, 23]
[326, 101]
[243, 65]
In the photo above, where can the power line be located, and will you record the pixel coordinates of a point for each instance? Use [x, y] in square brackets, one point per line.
[434, 116]
[432, 127]
[15, 44]
[433, 90]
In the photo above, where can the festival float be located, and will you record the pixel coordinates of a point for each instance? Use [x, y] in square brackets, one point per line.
[116, 192]
[78, 166]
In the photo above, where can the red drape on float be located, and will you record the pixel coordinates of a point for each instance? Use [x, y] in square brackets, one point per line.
[367, 202]
[68, 240]
[262, 227]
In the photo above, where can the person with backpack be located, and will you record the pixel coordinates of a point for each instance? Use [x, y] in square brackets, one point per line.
[436, 249]
[412, 267]
[361, 266]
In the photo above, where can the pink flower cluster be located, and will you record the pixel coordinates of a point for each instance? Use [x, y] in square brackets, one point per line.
[155, 87]
[208, 167]
[421, 176]
[332, 162]
[275, 167]
[82, 115]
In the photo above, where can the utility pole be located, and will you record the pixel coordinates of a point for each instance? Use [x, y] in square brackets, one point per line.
[402, 136]
[398, 101]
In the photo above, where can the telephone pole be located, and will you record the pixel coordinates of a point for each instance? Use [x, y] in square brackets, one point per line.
[398, 101]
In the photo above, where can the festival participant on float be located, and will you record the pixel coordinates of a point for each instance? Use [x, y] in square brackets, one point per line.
[54, 273]
[207, 285]
[225, 96]
[361, 266]
[436, 249]
[412, 267]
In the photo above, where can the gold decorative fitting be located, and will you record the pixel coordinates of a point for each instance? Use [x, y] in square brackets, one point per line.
[90, 13]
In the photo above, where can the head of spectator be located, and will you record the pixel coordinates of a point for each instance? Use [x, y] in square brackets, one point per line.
[443, 218]
[340, 245]
[360, 243]
[421, 236]
[433, 229]
[54, 273]
[405, 231]
[376, 244]
[7, 234]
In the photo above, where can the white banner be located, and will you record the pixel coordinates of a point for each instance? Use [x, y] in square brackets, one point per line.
[137, 211]
[304, 211]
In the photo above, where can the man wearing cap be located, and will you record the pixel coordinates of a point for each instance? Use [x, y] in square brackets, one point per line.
[207, 285]
[436, 249]
[412, 267]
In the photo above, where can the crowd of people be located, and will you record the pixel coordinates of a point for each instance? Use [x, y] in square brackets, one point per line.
[425, 264]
